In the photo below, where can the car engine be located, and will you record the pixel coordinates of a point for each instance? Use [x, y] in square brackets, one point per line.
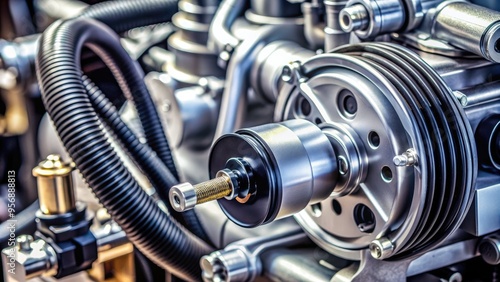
[250, 140]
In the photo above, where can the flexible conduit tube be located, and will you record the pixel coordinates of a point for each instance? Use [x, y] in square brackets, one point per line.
[142, 155]
[59, 73]
[121, 16]
[125, 15]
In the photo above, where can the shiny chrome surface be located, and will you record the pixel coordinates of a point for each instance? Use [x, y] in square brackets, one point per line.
[470, 27]
[363, 184]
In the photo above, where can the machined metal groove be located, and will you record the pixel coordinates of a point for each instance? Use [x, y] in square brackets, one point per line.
[381, 197]
[437, 194]
[446, 199]
[437, 130]
[460, 148]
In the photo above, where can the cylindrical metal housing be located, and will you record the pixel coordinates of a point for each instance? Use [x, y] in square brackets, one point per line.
[293, 165]
[275, 8]
[55, 185]
[193, 59]
[470, 27]
[383, 17]
[334, 35]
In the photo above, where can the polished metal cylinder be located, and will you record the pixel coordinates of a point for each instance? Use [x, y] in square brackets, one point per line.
[291, 165]
[383, 17]
[305, 163]
[470, 27]
[354, 18]
[55, 185]
[275, 8]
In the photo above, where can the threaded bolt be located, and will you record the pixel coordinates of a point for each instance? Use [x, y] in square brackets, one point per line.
[186, 196]
[213, 189]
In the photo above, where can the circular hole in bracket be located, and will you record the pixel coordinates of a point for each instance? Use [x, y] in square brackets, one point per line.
[364, 218]
[303, 107]
[177, 201]
[374, 139]
[337, 208]
[347, 104]
[386, 174]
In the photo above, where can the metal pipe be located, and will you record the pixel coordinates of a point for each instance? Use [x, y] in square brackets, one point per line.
[334, 35]
[241, 260]
[234, 98]
[313, 27]
[219, 34]
[370, 18]
[485, 93]
[296, 265]
[354, 18]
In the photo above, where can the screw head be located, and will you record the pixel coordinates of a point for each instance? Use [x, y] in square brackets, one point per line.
[400, 160]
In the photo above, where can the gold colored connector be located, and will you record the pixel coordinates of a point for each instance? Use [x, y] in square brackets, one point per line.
[55, 185]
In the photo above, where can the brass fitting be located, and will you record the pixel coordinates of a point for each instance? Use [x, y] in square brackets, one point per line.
[186, 196]
[55, 185]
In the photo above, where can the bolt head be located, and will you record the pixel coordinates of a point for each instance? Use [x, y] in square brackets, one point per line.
[381, 248]
[287, 74]
[24, 242]
[400, 160]
[375, 251]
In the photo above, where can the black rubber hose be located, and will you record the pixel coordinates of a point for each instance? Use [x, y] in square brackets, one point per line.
[125, 15]
[142, 155]
[121, 16]
[152, 231]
